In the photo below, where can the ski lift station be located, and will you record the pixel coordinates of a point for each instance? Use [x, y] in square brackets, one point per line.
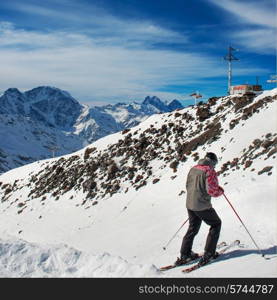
[245, 89]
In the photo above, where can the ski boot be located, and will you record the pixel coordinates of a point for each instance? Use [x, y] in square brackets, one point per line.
[207, 257]
[185, 259]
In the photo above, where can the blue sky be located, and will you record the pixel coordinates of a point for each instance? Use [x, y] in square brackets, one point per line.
[106, 51]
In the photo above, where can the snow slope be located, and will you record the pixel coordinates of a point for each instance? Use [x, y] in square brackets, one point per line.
[125, 195]
[19, 258]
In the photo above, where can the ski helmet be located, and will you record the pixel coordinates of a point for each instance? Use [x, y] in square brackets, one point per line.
[212, 157]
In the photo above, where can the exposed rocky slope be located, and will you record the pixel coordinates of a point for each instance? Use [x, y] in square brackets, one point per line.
[130, 161]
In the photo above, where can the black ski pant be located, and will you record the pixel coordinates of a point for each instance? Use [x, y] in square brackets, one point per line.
[210, 217]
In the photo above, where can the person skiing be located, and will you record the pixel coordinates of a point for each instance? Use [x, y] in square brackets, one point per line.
[201, 185]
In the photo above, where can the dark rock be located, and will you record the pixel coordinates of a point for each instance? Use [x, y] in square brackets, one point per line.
[257, 142]
[266, 144]
[112, 170]
[271, 152]
[125, 131]
[203, 113]
[174, 165]
[248, 164]
[241, 102]
[233, 123]
[87, 153]
[155, 180]
[212, 101]
[265, 170]
[89, 185]
[138, 178]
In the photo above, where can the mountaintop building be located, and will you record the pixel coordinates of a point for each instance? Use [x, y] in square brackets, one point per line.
[245, 89]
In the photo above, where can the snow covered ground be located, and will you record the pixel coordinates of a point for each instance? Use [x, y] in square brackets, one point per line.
[19, 258]
[124, 235]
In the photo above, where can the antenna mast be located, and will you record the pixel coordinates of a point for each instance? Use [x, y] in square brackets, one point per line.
[230, 57]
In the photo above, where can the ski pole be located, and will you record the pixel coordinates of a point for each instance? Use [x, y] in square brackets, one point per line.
[175, 234]
[244, 226]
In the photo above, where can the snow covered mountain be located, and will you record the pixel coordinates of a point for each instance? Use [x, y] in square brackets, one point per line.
[120, 199]
[131, 114]
[52, 106]
[47, 121]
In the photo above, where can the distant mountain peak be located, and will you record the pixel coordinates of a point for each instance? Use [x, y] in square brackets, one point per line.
[156, 103]
[162, 106]
[49, 92]
[175, 104]
[152, 100]
[13, 91]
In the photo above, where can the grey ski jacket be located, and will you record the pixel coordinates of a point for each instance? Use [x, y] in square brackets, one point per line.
[201, 185]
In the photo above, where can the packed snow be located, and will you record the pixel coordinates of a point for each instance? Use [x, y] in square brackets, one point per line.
[19, 258]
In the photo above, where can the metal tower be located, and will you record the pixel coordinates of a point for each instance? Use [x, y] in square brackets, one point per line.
[230, 57]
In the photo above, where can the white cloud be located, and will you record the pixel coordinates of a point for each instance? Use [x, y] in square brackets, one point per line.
[101, 25]
[93, 70]
[251, 12]
[259, 20]
[260, 40]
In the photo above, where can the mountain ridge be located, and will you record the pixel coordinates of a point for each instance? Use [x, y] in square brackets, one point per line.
[62, 121]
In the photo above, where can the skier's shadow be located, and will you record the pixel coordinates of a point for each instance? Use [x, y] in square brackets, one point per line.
[243, 252]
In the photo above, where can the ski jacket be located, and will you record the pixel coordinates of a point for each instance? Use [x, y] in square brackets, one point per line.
[201, 185]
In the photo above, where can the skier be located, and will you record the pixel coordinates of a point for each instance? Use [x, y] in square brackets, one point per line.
[201, 185]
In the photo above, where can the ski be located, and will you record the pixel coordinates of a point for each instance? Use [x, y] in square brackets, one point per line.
[196, 266]
[169, 267]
